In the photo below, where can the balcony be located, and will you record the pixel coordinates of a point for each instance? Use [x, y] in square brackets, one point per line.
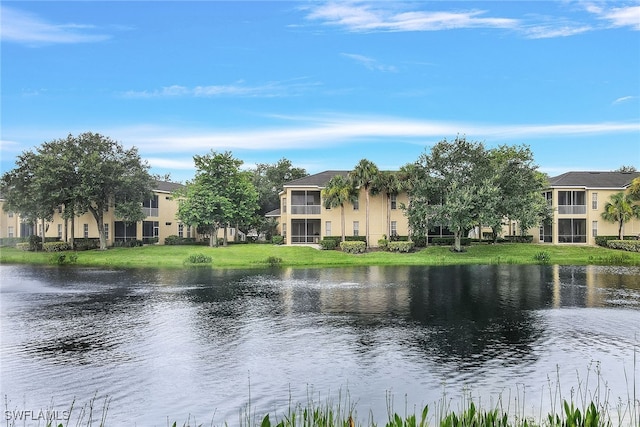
[150, 211]
[305, 209]
[572, 209]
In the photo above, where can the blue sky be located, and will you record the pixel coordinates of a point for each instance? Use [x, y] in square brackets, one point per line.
[325, 84]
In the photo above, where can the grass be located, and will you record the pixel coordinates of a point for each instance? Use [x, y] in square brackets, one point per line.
[258, 256]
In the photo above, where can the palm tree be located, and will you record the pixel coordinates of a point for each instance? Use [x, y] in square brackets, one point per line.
[338, 192]
[362, 176]
[621, 208]
[390, 184]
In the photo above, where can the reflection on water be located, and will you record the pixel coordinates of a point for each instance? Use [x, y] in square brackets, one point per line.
[170, 343]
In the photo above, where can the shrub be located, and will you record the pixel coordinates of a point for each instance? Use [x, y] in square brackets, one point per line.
[24, 246]
[397, 238]
[519, 239]
[356, 239]
[177, 240]
[351, 247]
[87, 244]
[63, 258]
[419, 241]
[277, 240]
[625, 245]
[35, 243]
[400, 246]
[602, 240]
[56, 247]
[128, 243]
[449, 241]
[11, 241]
[542, 257]
[328, 244]
[198, 258]
[383, 244]
[274, 261]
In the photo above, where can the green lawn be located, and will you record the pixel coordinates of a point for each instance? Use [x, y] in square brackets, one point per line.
[256, 255]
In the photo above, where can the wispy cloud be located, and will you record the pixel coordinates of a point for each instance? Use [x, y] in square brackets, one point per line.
[364, 17]
[239, 89]
[26, 28]
[619, 16]
[370, 63]
[624, 99]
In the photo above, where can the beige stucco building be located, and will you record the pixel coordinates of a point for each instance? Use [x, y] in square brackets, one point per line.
[577, 200]
[303, 219]
[160, 222]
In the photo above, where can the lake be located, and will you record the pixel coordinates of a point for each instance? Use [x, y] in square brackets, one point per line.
[207, 346]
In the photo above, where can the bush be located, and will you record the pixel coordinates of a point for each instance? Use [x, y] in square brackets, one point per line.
[356, 239]
[63, 259]
[542, 257]
[56, 247]
[11, 241]
[274, 261]
[625, 245]
[519, 239]
[328, 244]
[383, 244]
[351, 247]
[400, 246]
[128, 243]
[277, 240]
[419, 241]
[177, 240]
[449, 241]
[87, 244]
[602, 240]
[397, 238]
[24, 246]
[35, 243]
[198, 258]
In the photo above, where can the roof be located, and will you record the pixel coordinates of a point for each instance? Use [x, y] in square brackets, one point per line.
[275, 213]
[166, 186]
[318, 180]
[594, 179]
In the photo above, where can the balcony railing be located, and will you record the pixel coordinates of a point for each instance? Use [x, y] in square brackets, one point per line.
[572, 209]
[305, 209]
[150, 211]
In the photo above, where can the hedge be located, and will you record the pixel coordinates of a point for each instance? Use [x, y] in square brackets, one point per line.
[328, 244]
[519, 239]
[445, 241]
[602, 240]
[353, 247]
[277, 240]
[177, 240]
[625, 245]
[87, 244]
[11, 241]
[383, 244]
[56, 247]
[400, 246]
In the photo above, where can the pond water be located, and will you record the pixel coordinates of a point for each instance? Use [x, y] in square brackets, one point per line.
[208, 345]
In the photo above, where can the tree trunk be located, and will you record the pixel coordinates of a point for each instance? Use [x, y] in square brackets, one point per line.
[388, 216]
[72, 241]
[98, 214]
[342, 221]
[456, 240]
[224, 240]
[44, 232]
[620, 228]
[366, 192]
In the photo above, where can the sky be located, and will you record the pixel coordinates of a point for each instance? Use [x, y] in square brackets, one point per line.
[324, 84]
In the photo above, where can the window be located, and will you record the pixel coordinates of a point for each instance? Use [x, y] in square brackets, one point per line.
[284, 205]
[284, 229]
[180, 230]
[327, 228]
[594, 201]
[10, 232]
[150, 207]
[394, 201]
[305, 203]
[59, 230]
[188, 231]
[548, 196]
[10, 214]
[85, 232]
[594, 228]
[394, 228]
[356, 228]
[106, 231]
[572, 231]
[356, 204]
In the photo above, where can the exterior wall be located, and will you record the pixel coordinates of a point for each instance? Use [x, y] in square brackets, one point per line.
[9, 223]
[292, 213]
[591, 215]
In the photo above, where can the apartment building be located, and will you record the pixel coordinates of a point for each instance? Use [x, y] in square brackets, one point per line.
[578, 200]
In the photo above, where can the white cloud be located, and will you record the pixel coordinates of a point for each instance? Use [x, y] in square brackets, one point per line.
[624, 99]
[364, 17]
[623, 16]
[552, 31]
[22, 27]
[273, 89]
[370, 63]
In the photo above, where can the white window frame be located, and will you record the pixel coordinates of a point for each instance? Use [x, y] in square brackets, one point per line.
[394, 202]
[356, 228]
[594, 228]
[85, 230]
[327, 228]
[594, 201]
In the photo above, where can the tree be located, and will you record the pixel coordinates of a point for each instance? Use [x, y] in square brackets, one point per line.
[338, 192]
[620, 208]
[363, 176]
[458, 173]
[219, 195]
[626, 168]
[87, 173]
[634, 189]
[269, 180]
[389, 184]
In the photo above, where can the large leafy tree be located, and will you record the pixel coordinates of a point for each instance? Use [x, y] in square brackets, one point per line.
[363, 176]
[219, 195]
[338, 192]
[620, 208]
[269, 180]
[86, 173]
